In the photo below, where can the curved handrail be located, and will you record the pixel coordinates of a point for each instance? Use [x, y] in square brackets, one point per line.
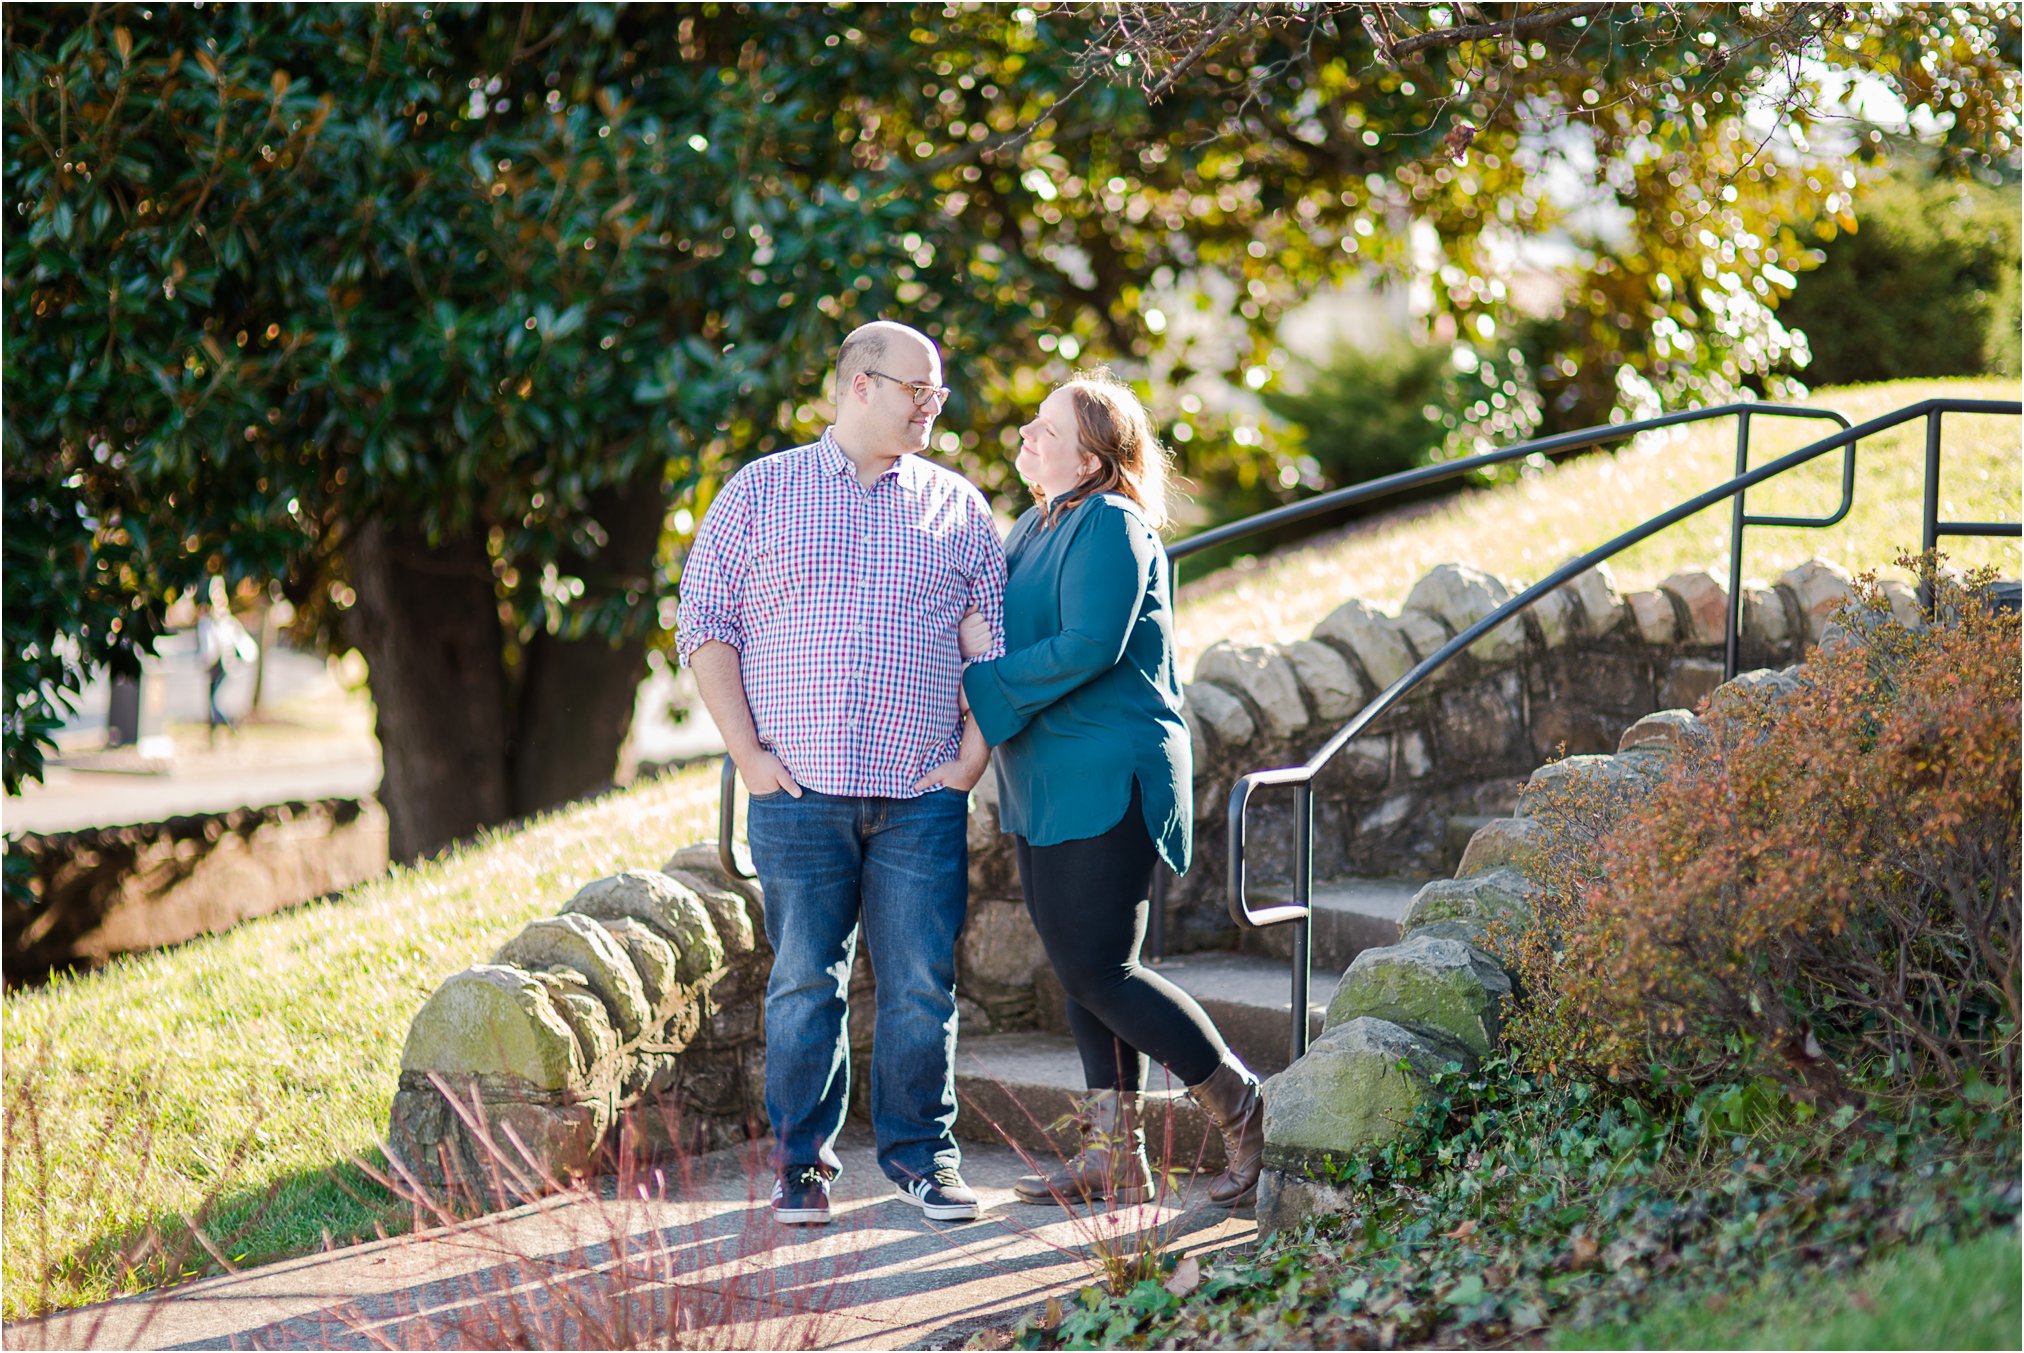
[727, 818]
[1302, 776]
[1561, 444]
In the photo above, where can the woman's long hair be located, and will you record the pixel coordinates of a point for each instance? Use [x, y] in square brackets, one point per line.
[1114, 428]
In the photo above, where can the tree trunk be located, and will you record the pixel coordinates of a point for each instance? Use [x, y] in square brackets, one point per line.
[577, 695]
[428, 622]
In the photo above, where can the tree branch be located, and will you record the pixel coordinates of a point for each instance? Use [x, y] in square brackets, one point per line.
[1237, 14]
[1529, 23]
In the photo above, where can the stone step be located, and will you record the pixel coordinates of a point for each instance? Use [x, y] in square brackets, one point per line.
[1249, 996]
[1350, 916]
[1015, 1088]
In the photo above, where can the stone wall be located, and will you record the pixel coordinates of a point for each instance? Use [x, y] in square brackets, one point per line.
[104, 891]
[644, 998]
[640, 1002]
[1560, 679]
[1401, 1013]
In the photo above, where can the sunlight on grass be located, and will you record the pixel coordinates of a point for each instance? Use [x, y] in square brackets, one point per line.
[1522, 531]
[260, 1060]
[1962, 1295]
[281, 1037]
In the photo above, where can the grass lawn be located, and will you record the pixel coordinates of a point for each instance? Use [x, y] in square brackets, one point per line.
[1929, 1296]
[249, 1067]
[258, 1060]
[1522, 531]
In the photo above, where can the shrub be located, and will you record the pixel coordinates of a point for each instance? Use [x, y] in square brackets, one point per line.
[1822, 891]
[1366, 413]
[1927, 286]
[1361, 414]
[1520, 1208]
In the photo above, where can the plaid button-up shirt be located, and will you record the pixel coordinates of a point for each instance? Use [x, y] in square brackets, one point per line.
[842, 602]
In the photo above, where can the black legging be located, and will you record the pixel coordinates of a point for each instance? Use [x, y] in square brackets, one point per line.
[1088, 901]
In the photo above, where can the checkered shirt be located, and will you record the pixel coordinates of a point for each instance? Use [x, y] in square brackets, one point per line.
[843, 602]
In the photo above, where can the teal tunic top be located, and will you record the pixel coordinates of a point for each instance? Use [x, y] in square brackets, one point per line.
[1086, 699]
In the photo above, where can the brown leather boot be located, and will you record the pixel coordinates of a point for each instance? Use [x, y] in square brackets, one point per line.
[1110, 1167]
[1233, 1103]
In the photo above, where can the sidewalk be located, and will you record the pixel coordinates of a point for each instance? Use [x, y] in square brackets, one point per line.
[708, 1266]
[313, 741]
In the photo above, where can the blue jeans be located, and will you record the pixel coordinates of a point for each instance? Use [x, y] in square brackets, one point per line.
[899, 868]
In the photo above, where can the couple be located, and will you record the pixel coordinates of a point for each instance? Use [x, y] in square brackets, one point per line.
[862, 642]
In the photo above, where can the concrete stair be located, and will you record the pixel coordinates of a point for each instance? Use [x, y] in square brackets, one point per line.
[1013, 1087]
[1350, 916]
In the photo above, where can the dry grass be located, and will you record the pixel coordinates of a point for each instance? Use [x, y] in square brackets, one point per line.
[252, 1063]
[1521, 531]
[248, 1065]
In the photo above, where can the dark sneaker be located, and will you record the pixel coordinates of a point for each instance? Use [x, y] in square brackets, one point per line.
[942, 1195]
[801, 1196]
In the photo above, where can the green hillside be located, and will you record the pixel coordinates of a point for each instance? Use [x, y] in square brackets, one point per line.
[246, 1067]
[1522, 531]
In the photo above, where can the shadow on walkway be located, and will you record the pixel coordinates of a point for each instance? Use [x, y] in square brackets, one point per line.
[697, 1262]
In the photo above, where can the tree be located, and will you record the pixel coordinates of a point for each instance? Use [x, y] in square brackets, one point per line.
[445, 317]
[427, 314]
[1708, 147]
[435, 314]
[1927, 287]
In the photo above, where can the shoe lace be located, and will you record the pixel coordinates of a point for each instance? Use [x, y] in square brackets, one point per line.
[804, 1177]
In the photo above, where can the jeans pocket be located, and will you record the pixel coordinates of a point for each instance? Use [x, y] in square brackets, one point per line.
[767, 797]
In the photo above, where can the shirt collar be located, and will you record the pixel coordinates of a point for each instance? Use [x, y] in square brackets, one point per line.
[835, 462]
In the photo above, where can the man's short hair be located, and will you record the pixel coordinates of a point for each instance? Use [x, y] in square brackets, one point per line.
[866, 347]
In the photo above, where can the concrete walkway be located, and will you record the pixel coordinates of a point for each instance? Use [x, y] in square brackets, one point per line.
[693, 1261]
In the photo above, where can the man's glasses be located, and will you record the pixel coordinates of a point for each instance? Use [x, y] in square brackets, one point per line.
[920, 390]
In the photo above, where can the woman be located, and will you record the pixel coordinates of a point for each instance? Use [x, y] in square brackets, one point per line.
[1095, 782]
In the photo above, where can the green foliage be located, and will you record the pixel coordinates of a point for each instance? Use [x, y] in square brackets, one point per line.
[1961, 1294]
[281, 273]
[1821, 891]
[1689, 222]
[1534, 1202]
[1361, 414]
[1926, 287]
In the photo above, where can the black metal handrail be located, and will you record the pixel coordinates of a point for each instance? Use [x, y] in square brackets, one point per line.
[1562, 444]
[1301, 777]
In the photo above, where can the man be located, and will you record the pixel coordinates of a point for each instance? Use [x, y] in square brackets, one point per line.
[819, 610]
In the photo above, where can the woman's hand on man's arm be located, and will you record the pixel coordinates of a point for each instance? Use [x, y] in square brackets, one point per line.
[973, 635]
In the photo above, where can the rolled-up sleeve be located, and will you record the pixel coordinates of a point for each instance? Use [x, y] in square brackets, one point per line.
[714, 574]
[982, 559]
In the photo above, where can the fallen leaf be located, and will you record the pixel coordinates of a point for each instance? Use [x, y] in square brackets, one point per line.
[1463, 1231]
[1584, 1252]
[1186, 1278]
[1051, 1318]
